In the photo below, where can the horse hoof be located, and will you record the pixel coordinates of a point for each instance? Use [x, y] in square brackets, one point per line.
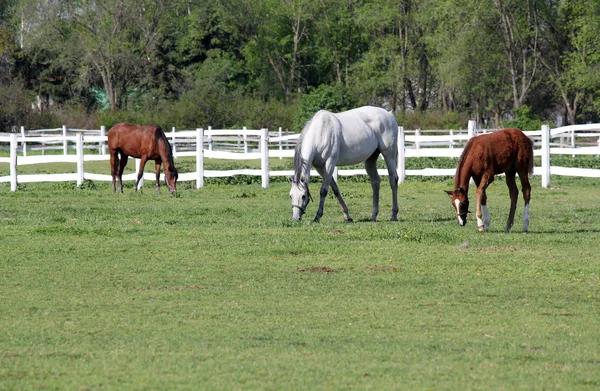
[349, 220]
[481, 228]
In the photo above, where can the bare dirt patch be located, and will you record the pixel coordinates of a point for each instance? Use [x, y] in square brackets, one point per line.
[318, 269]
[382, 268]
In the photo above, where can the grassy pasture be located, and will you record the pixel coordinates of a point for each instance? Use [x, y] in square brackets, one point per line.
[217, 289]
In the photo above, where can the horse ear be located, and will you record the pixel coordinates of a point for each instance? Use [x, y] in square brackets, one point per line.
[290, 179]
[461, 190]
[302, 180]
[449, 192]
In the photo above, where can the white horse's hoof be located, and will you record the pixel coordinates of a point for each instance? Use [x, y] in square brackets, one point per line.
[481, 228]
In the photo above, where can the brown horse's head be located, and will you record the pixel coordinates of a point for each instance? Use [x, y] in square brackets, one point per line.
[460, 203]
[171, 176]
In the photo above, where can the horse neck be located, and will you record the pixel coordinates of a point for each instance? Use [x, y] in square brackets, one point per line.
[463, 176]
[303, 162]
[164, 150]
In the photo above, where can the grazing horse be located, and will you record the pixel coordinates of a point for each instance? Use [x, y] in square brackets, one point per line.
[141, 142]
[507, 151]
[329, 140]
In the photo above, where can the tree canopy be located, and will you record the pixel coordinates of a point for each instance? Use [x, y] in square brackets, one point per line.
[225, 63]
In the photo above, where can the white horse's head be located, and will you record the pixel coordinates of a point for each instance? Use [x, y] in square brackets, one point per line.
[300, 196]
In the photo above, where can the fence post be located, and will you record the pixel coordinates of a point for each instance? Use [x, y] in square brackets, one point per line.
[417, 134]
[401, 167]
[138, 163]
[210, 141]
[280, 144]
[24, 143]
[245, 136]
[573, 140]
[13, 161]
[199, 158]
[79, 147]
[173, 142]
[451, 144]
[264, 161]
[65, 142]
[545, 156]
[471, 128]
[102, 143]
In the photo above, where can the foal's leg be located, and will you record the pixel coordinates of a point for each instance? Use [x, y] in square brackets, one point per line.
[327, 176]
[157, 166]
[484, 209]
[526, 189]
[514, 196]
[143, 161]
[480, 196]
[371, 167]
[114, 168]
[390, 162]
[122, 164]
[338, 196]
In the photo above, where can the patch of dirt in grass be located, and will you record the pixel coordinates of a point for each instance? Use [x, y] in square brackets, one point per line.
[335, 232]
[498, 249]
[318, 269]
[561, 314]
[172, 288]
[382, 268]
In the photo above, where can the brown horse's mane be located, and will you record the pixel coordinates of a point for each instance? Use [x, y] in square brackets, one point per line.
[462, 159]
[165, 141]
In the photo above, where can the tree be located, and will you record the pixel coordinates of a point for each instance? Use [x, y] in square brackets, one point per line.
[518, 28]
[117, 37]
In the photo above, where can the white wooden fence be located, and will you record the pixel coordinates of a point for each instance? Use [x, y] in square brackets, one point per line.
[245, 144]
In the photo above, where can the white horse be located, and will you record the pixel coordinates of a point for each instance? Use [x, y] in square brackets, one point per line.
[340, 139]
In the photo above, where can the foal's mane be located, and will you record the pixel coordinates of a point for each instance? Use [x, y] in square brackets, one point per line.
[462, 159]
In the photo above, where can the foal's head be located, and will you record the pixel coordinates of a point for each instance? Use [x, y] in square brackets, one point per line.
[300, 196]
[171, 176]
[460, 203]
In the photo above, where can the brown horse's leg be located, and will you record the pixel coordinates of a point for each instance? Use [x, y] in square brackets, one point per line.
[526, 189]
[480, 197]
[371, 167]
[514, 195]
[122, 164]
[143, 161]
[157, 166]
[114, 170]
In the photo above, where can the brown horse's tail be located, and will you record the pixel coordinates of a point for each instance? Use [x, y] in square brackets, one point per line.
[530, 163]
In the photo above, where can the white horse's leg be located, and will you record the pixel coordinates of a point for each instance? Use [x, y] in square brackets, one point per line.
[371, 168]
[390, 162]
[338, 196]
[327, 176]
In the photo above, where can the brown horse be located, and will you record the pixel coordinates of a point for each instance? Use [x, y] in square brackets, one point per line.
[507, 151]
[141, 142]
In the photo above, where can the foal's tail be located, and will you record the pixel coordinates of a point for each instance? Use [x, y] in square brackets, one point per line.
[530, 163]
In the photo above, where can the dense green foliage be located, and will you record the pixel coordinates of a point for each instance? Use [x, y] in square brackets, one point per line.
[217, 289]
[272, 63]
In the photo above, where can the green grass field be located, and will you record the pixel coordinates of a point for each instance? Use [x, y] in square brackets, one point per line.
[217, 289]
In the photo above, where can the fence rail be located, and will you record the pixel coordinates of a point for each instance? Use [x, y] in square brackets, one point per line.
[248, 144]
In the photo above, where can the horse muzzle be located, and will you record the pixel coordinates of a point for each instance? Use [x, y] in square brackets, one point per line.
[297, 212]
